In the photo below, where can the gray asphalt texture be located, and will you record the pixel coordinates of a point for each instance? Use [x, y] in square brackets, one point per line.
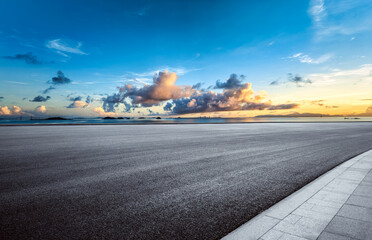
[159, 181]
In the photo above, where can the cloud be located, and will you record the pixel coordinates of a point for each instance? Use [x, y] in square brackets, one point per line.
[367, 113]
[233, 82]
[364, 72]
[15, 110]
[1, 98]
[340, 17]
[283, 106]
[101, 112]
[304, 58]
[275, 83]
[28, 58]
[236, 96]
[197, 86]
[89, 99]
[60, 79]
[299, 81]
[40, 109]
[317, 11]
[369, 109]
[229, 100]
[162, 89]
[62, 47]
[15, 82]
[40, 99]
[317, 102]
[78, 104]
[48, 89]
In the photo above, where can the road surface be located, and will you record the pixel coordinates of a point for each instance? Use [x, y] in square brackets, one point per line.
[159, 181]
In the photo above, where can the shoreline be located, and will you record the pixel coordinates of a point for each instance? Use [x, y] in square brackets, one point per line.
[173, 123]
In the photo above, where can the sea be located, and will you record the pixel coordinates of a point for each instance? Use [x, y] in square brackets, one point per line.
[79, 121]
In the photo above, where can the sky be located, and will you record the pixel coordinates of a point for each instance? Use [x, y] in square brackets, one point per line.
[185, 58]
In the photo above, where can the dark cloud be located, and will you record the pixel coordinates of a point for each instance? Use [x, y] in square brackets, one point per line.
[233, 82]
[60, 79]
[332, 106]
[168, 106]
[48, 89]
[78, 98]
[1, 98]
[299, 81]
[197, 86]
[283, 106]
[28, 58]
[275, 83]
[40, 99]
[296, 79]
[89, 99]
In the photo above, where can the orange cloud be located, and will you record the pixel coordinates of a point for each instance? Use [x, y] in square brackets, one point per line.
[40, 109]
[15, 110]
[101, 112]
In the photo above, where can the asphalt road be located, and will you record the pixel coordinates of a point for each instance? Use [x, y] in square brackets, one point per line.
[159, 181]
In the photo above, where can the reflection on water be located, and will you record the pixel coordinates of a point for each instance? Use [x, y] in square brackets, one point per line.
[184, 120]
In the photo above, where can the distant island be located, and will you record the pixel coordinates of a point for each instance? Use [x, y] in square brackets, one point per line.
[116, 118]
[56, 118]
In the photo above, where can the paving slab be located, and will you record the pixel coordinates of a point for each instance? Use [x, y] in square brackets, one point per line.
[337, 205]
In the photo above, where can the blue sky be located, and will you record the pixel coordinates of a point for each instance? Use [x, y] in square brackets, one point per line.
[102, 45]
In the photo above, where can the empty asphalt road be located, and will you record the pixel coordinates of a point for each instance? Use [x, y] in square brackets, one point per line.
[159, 181]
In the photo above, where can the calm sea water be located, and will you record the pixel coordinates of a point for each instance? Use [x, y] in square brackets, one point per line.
[182, 120]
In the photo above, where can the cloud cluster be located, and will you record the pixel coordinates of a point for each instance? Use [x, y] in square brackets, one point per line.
[15, 110]
[162, 89]
[235, 96]
[40, 99]
[28, 58]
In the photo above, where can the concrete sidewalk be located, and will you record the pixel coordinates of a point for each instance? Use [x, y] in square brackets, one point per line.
[337, 205]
